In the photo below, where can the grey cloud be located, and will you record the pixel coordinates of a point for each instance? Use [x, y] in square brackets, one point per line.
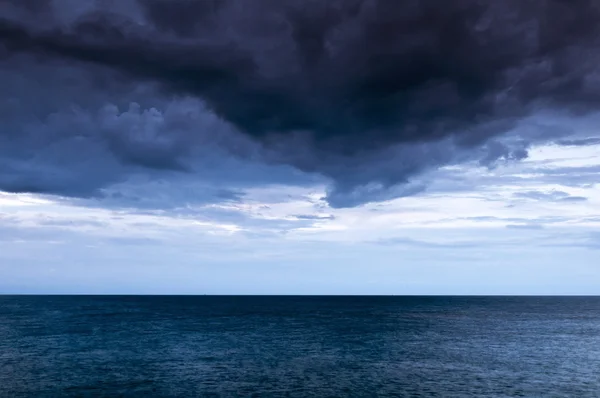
[230, 195]
[551, 196]
[136, 157]
[579, 141]
[369, 95]
[484, 185]
[580, 177]
[497, 151]
[54, 222]
[574, 199]
[316, 217]
[567, 171]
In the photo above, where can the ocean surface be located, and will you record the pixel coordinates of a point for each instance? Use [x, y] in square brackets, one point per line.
[236, 346]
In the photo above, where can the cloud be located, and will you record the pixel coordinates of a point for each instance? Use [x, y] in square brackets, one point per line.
[314, 217]
[590, 241]
[135, 157]
[69, 223]
[551, 196]
[408, 242]
[525, 226]
[368, 95]
[580, 141]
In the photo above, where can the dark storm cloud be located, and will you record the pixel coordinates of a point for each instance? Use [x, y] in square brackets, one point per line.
[366, 93]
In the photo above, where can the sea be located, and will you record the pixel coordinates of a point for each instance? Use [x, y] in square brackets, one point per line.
[299, 346]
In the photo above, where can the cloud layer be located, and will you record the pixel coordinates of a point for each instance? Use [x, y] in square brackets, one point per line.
[367, 94]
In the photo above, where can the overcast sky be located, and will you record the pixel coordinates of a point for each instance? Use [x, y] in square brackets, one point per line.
[299, 147]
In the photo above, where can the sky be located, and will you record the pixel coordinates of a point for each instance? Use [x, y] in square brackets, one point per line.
[299, 147]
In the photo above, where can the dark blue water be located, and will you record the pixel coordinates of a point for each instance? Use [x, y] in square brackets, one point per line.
[299, 346]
